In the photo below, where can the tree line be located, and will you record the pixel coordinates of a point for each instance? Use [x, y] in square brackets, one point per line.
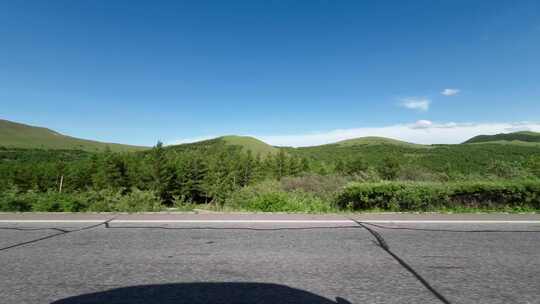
[210, 173]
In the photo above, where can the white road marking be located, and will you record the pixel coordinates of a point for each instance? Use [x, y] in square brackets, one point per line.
[52, 221]
[281, 221]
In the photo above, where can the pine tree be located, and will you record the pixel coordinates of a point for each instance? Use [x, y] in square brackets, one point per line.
[295, 166]
[192, 176]
[162, 174]
[111, 172]
[281, 164]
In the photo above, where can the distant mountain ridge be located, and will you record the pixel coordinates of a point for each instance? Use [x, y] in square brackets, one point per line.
[17, 135]
[523, 136]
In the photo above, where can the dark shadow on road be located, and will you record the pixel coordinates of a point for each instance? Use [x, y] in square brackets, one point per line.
[208, 293]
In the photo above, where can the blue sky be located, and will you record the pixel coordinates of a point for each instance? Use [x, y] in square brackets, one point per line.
[285, 71]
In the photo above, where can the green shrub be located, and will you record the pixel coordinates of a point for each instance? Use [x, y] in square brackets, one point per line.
[95, 201]
[56, 202]
[389, 168]
[268, 197]
[321, 186]
[115, 201]
[420, 196]
[139, 201]
[503, 169]
[418, 173]
[533, 165]
[10, 201]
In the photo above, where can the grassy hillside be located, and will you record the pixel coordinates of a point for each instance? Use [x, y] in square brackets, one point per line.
[223, 143]
[372, 140]
[460, 159]
[249, 143]
[524, 136]
[16, 135]
[473, 159]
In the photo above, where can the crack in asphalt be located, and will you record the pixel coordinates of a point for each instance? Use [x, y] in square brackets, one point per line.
[380, 241]
[448, 230]
[62, 232]
[384, 245]
[107, 226]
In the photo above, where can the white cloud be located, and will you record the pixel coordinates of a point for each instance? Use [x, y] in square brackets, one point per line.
[422, 132]
[518, 128]
[422, 124]
[415, 103]
[450, 92]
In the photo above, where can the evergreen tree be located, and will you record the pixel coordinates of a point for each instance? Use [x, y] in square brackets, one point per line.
[295, 166]
[192, 177]
[162, 174]
[356, 165]
[281, 164]
[111, 173]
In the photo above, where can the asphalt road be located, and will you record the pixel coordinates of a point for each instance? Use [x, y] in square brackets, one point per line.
[269, 259]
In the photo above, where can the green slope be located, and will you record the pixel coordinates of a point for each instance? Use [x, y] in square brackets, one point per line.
[460, 158]
[220, 144]
[250, 143]
[373, 140]
[17, 135]
[525, 136]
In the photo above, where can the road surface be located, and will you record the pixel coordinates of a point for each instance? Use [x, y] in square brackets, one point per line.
[256, 258]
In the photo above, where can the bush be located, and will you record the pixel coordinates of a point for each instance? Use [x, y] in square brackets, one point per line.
[389, 168]
[321, 186]
[268, 197]
[102, 201]
[416, 196]
[10, 201]
[95, 201]
[534, 165]
[502, 169]
[138, 201]
[114, 200]
[56, 202]
[417, 173]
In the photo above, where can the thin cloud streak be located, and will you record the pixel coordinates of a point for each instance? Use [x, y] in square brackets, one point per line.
[421, 132]
[450, 92]
[415, 103]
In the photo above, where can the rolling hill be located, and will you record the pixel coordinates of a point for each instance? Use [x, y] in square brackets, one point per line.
[252, 144]
[246, 143]
[524, 136]
[373, 140]
[17, 135]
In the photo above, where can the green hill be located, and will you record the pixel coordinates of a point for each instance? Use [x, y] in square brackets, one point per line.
[220, 144]
[17, 135]
[524, 136]
[250, 143]
[461, 158]
[373, 140]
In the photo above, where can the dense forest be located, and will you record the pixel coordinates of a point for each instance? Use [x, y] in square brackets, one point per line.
[217, 174]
